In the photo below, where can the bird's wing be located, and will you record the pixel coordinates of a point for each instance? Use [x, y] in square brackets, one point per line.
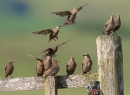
[81, 7]
[63, 43]
[31, 56]
[45, 50]
[62, 13]
[43, 32]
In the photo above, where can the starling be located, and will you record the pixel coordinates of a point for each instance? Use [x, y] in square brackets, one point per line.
[51, 51]
[39, 66]
[54, 69]
[71, 15]
[71, 66]
[109, 26]
[9, 68]
[47, 63]
[86, 64]
[53, 33]
[117, 23]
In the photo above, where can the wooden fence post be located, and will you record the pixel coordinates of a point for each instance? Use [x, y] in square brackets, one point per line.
[110, 64]
[51, 85]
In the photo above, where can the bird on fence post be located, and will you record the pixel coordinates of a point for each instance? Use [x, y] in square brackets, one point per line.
[51, 51]
[117, 22]
[9, 69]
[87, 64]
[39, 66]
[71, 14]
[109, 26]
[47, 63]
[71, 66]
[53, 33]
[54, 69]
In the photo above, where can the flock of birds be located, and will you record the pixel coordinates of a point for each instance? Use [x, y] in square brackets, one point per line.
[46, 66]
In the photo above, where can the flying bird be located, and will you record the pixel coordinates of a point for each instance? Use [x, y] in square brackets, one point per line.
[71, 14]
[47, 63]
[51, 51]
[53, 33]
[86, 64]
[109, 26]
[39, 66]
[9, 68]
[54, 69]
[117, 23]
[71, 66]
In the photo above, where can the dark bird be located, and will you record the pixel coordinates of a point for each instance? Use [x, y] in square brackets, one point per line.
[53, 33]
[109, 26]
[54, 69]
[47, 63]
[71, 14]
[9, 68]
[86, 64]
[71, 66]
[117, 23]
[39, 66]
[51, 51]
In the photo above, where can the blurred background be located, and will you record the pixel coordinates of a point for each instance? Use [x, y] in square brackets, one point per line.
[19, 18]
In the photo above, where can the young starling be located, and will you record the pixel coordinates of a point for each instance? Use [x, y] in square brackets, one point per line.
[47, 63]
[53, 33]
[39, 66]
[71, 66]
[86, 64]
[71, 14]
[54, 69]
[117, 23]
[9, 68]
[51, 51]
[109, 26]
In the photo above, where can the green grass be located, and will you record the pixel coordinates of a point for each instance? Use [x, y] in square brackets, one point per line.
[16, 38]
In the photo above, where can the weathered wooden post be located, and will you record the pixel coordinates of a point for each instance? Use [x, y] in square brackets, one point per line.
[110, 64]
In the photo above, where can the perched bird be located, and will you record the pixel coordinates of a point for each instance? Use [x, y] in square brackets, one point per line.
[86, 64]
[51, 51]
[71, 66]
[39, 66]
[53, 33]
[71, 15]
[117, 23]
[54, 69]
[47, 63]
[109, 26]
[9, 68]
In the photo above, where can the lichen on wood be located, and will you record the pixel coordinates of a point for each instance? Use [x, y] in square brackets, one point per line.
[110, 64]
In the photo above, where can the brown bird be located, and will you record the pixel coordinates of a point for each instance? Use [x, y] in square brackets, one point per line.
[71, 14]
[51, 51]
[39, 66]
[47, 63]
[117, 23]
[109, 26]
[86, 64]
[9, 68]
[53, 70]
[71, 66]
[53, 33]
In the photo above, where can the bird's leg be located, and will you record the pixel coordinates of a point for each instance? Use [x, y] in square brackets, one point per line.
[57, 37]
[54, 39]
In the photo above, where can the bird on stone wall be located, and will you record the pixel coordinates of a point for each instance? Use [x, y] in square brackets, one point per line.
[47, 62]
[117, 23]
[51, 51]
[39, 66]
[71, 14]
[71, 66]
[109, 26]
[9, 69]
[87, 64]
[53, 33]
[54, 69]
